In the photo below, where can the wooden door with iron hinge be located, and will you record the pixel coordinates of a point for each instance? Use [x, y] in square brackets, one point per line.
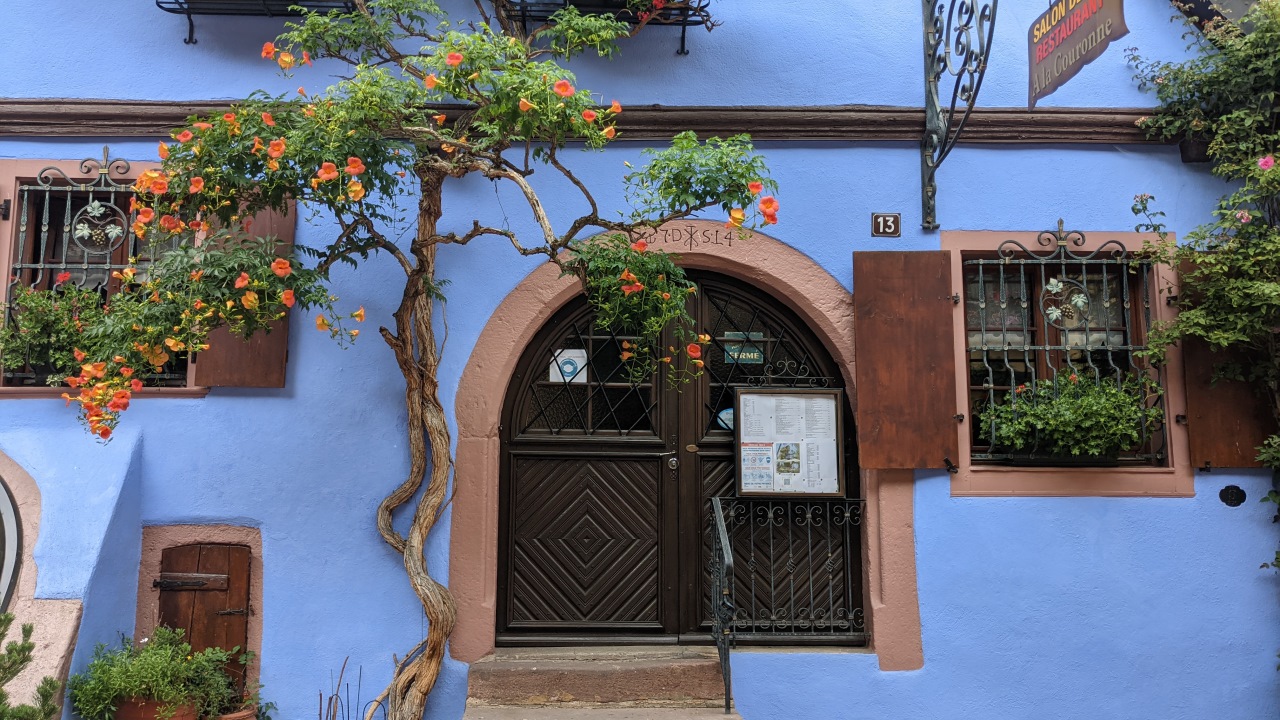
[204, 591]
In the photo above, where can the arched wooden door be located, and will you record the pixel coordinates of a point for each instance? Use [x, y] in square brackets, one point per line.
[606, 485]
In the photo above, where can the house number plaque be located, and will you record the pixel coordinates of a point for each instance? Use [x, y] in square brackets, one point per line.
[886, 225]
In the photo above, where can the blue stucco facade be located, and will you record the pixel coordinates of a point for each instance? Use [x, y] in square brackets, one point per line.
[1030, 607]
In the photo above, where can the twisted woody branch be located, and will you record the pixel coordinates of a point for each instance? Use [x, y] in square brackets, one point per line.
[357, 149]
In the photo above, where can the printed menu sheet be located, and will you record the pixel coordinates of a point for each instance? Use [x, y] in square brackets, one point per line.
[788, 443]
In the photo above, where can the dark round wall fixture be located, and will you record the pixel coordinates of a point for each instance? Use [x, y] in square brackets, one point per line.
[1232, 495]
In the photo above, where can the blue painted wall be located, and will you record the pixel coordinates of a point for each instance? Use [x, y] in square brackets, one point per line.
[1047, 607]
[1063, 608]
[783, 52]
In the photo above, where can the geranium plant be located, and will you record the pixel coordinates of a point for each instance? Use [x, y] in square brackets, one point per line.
[353, 151]
[1074, 415]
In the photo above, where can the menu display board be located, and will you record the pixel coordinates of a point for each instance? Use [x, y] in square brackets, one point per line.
[789, 442]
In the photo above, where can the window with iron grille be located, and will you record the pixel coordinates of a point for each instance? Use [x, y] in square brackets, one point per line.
[72, 230]
[1053, 314]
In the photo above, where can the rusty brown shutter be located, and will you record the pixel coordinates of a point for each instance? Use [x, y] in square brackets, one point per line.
[232, 361]
[1226, 420]
[904, 348]
[204, 590]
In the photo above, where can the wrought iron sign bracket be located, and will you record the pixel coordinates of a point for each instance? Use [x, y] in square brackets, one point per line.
[957, 42]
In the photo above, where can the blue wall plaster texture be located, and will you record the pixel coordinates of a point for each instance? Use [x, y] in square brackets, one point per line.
[90, 535]
[1063, 608]
[88, 492]
[1029, 605]
[783, 52]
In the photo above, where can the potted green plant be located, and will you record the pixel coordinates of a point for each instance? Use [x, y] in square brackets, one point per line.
[156, 678]
[1072, 419]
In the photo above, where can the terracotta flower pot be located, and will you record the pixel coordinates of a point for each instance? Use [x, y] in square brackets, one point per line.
[138, 709]
[248, 713]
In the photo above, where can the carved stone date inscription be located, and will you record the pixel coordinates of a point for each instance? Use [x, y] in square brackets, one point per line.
[689, 237]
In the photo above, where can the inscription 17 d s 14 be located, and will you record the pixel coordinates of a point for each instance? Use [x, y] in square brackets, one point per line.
[692, 236]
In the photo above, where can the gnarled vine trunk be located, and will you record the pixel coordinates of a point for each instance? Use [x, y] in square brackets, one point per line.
[417, 353]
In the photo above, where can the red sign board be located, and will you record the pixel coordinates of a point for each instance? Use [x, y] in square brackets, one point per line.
[1068, 36]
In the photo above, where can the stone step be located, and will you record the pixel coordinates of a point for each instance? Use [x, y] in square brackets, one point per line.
[652, 677]
[592, 712]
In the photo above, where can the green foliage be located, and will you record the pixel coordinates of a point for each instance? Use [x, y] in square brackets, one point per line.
[1073, 415]
[163, 669]
[690, 175]
[638, 293]
[43, 327]
[352, 151]
[16, 656]
[570, 32]
[1230, 267]
[1225, 93]
[227, 280]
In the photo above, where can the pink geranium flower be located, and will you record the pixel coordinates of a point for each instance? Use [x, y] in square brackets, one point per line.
[1267, 162]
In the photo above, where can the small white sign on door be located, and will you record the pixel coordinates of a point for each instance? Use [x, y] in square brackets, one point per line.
[569, 366]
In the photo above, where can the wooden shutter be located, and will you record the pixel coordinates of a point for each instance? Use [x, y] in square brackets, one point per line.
[1226, 420]
[904, 345]
[232, 361]
[204, 590]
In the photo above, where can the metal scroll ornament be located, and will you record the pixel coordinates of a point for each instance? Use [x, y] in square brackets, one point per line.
[957, 42]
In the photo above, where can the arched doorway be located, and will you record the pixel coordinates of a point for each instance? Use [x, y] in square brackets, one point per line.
[605, 484]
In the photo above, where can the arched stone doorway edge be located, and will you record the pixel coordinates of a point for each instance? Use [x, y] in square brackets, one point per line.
[57, 621]
[791, 277]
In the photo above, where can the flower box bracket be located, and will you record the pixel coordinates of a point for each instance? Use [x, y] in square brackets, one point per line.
[260, 8]
[683, 14]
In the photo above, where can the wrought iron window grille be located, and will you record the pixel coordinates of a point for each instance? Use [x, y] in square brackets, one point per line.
[596, 398]
[261, 8]
[683, 14]
[1054, 311]
[77, 223]
[957, 42]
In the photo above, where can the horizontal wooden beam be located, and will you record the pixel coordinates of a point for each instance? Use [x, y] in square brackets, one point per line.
[86, 118]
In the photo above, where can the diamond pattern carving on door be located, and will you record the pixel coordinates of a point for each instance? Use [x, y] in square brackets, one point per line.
[584, 542]
[606, 483]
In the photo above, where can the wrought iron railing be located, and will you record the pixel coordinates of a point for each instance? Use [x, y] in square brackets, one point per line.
[785, 571]
[268, 8]
[1034, 315]
[683, 14]
[722, 608]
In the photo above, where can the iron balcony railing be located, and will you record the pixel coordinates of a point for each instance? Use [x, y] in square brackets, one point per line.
[785, 570]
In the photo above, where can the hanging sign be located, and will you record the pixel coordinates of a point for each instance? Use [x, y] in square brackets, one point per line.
[789, 442]
[741, 353]
[1068, 36]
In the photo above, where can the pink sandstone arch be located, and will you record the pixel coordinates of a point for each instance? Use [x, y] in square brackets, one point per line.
[789, 276]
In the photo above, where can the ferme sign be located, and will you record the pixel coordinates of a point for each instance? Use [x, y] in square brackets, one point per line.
[1068, 36]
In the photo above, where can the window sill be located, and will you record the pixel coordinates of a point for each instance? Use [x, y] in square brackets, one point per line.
[999, 480]
[38, 393]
